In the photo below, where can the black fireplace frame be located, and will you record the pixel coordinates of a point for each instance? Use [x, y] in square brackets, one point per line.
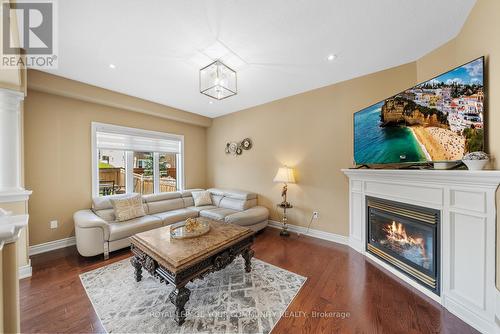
[436, 272]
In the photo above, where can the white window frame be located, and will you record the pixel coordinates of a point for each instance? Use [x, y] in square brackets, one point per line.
[96, 126]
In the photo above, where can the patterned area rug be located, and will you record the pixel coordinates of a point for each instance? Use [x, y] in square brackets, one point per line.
[227, 301]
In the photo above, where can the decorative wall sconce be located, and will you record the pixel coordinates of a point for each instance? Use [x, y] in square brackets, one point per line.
[236, 148]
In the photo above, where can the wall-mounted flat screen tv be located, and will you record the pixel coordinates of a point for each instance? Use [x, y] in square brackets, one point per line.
[438, 120]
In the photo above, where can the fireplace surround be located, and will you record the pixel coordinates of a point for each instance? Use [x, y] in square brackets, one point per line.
[405, 237]
[466, 202]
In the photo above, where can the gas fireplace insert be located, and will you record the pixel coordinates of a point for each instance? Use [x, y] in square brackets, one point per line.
[405, 237]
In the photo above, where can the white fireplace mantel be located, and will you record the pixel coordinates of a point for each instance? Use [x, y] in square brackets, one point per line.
[466, 200]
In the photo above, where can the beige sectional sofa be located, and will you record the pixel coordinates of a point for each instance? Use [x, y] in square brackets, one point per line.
[97, 232]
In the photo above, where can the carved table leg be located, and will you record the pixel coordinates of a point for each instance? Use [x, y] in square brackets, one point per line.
[138, 268]
[247, 255]
[179, 298]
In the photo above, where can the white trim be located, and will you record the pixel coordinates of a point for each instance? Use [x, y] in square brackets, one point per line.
[180, 169]
[25, 271]
[11, 227]
[129, 172]
[156, 172]
[456, 178]
[96, 126]
[340, 239]
[11, 97]
[52, 245]
[15, 196]
[10, 121]
[94, 161]
[497, 313]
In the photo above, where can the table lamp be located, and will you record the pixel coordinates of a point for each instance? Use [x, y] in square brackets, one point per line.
[284, 175]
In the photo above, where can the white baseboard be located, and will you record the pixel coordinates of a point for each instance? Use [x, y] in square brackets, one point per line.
[25, 271]
[52, 245]
[340, 239]
[497, 313]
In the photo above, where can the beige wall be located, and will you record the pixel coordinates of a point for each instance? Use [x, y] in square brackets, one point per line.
[47, 83]
[311, 132]
[58, 156]
[479, 36]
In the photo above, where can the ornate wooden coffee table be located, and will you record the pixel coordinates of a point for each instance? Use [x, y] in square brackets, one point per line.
[177, 261]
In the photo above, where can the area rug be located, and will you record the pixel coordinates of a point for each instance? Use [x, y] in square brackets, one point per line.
[227, 301]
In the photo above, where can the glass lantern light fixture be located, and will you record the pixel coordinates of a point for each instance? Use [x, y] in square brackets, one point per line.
[218, 81]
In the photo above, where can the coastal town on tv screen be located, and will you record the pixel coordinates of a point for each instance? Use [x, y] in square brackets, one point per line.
[438, 120]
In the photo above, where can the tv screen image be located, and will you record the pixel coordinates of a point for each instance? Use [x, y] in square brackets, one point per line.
[438, 120]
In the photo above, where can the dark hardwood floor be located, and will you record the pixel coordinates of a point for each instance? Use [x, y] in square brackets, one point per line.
[368, 299]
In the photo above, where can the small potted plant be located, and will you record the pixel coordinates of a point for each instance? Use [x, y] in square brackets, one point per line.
[475, 160]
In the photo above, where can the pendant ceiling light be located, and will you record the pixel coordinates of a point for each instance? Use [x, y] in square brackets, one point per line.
[218, 81]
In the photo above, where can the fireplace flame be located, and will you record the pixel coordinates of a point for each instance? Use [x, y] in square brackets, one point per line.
[396, 233]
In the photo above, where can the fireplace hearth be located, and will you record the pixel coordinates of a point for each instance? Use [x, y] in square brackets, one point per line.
[405, 237]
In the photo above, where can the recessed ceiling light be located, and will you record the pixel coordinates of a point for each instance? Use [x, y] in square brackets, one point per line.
[211, 102]
[113, 66]
[331, 57]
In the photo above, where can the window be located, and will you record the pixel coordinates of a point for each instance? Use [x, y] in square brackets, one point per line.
[126, 160]
[168, 171]
[143, 173]
[111, 172]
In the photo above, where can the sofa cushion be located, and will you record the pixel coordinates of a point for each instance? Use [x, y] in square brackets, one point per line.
[161, 196]
[237, 204]
[188, 201]
[128, 208]
[248, 217]
[106, 214]
[216, 191]
[238, 194]
[176, 216]
[188, 192]
[167, 205]
[216, 199]
[130, 227]
[201, 208]
[201, 198]
[104, 202]
[217, 214]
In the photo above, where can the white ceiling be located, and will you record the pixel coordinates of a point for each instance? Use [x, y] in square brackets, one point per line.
[278, 47]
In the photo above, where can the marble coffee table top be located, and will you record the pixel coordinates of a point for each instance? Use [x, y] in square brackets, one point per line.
[176, 254]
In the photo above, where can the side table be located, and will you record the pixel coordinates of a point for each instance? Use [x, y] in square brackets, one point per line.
[284, 231]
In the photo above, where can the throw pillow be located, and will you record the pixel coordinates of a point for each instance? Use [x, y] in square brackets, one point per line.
[201, 198]
[128, 208]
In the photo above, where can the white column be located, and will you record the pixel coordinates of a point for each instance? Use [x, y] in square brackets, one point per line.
[10, 141]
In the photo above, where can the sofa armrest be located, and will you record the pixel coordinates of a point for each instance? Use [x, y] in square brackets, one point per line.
[250, 216]
[88, 219]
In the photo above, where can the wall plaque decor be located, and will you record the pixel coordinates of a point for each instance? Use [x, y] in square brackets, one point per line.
[236, 148]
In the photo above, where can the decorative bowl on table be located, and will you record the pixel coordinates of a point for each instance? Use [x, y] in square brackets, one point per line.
[475, 160]
[191, 228]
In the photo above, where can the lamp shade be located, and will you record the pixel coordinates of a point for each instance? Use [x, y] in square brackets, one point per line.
[284, 175]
